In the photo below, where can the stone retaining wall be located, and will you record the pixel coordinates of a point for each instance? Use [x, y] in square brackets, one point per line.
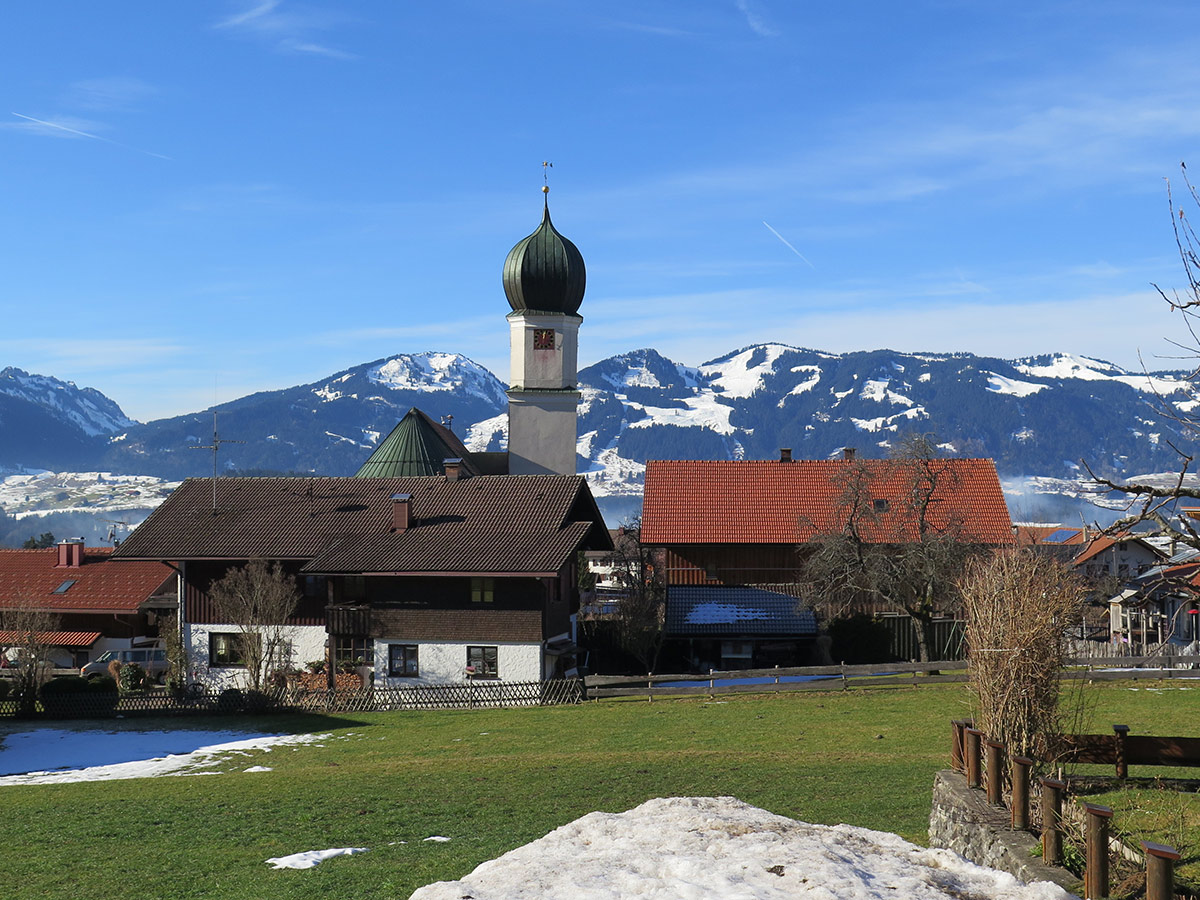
[961, 820]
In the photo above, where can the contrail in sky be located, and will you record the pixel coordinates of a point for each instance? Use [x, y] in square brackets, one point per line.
[96, 137]
[789, 246]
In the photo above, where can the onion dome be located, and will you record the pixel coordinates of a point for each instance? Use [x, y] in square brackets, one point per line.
[544, 272]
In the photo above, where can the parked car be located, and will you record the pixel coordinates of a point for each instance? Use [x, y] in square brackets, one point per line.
[152, 659]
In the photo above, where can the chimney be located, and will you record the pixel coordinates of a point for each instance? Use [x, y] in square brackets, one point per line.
[401, 512]
[70, 552]
[848, 452]
[785, 454]
[454, 468]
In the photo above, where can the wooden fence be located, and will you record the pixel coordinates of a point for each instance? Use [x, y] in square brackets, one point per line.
[826, 678]
[196, 701]
[987, 766]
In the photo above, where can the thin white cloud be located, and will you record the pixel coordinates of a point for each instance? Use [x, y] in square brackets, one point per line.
[757, 19]
[57, 129]
[114, 93]
[289, 31]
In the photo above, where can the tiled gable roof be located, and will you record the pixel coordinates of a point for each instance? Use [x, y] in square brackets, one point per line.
[100, 584]
[1100, 543]
[752, 502]
[511, 523]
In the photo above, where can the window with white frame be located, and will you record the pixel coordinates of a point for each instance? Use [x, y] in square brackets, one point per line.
[402, 661]
[483, 662]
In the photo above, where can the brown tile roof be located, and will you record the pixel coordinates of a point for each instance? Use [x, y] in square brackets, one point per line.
[1100, 543]
[753, 502]
[527, 523]
[101, 584]
[483, 625]
[55, 638]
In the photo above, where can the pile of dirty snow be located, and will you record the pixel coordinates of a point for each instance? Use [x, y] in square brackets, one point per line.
[696, 848]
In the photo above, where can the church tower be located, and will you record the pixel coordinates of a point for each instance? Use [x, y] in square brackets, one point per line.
[544, 281]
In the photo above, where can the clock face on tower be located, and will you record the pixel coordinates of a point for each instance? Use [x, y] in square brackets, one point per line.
[543, 339]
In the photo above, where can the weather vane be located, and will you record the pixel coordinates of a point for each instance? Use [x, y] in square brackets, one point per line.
[546, 167]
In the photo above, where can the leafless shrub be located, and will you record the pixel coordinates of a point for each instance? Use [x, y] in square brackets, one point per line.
[258, 598]
[25, 633]
[1018, 605]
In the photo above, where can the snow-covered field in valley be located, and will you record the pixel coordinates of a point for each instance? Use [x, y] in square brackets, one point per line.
[718, 848]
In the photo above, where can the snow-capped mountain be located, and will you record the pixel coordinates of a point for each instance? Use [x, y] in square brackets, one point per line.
[329, 427]
[52, 423]
[1040, 415]
[1037, 416]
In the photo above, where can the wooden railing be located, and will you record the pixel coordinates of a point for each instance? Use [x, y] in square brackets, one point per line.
[197, 701]
[825, 678]
[986, 766]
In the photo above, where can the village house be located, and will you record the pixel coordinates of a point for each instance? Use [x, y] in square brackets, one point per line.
[433, 565]
[732, 532]
[422, 579]
[97, 604]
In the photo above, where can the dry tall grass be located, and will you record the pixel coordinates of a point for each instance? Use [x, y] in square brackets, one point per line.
[1018, 605]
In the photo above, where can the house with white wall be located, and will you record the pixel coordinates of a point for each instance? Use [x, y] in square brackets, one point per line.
[435, 579]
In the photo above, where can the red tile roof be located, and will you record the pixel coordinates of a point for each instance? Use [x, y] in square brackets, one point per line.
[101, 584]
[752, 502]
[56, 638]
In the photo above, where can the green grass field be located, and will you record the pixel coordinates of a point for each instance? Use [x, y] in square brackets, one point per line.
[493, 780]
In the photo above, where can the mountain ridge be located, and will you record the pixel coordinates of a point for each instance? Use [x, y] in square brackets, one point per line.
[1036, 415]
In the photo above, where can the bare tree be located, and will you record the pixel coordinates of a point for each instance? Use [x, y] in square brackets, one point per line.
[1018, 604]
[902, 552]
[25, 631]
[1151, 502]
[258, 598]
[641, 611]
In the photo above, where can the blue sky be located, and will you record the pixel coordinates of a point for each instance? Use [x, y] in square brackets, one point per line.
[201, 200]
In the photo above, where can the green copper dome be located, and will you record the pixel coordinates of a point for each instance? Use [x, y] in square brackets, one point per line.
[416, 446]
[544, 272]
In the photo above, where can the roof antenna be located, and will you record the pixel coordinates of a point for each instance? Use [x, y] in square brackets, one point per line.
[217, 441]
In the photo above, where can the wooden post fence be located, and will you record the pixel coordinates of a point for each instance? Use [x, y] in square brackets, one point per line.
[974, 763]
[957, 726]
[1120, 732]
[1095, 880]
[1052, 794]
[1021, 767]
[1160, 871]
[995, 773]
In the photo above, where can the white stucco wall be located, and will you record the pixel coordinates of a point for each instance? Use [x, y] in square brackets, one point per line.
[445, 662]
[308, 643]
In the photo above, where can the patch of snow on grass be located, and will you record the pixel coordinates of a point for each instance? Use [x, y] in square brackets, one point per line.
[1067, 365]
[924, 376]
[736, 378]
[704, 848]
[998, 384]
[310, 858]
[814, 376]
[879, 392]
[888, 423]
[703, 410]
[60, 756]
[480, 434]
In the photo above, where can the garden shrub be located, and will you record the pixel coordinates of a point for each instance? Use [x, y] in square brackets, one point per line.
[230, 700]
[133, 677]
